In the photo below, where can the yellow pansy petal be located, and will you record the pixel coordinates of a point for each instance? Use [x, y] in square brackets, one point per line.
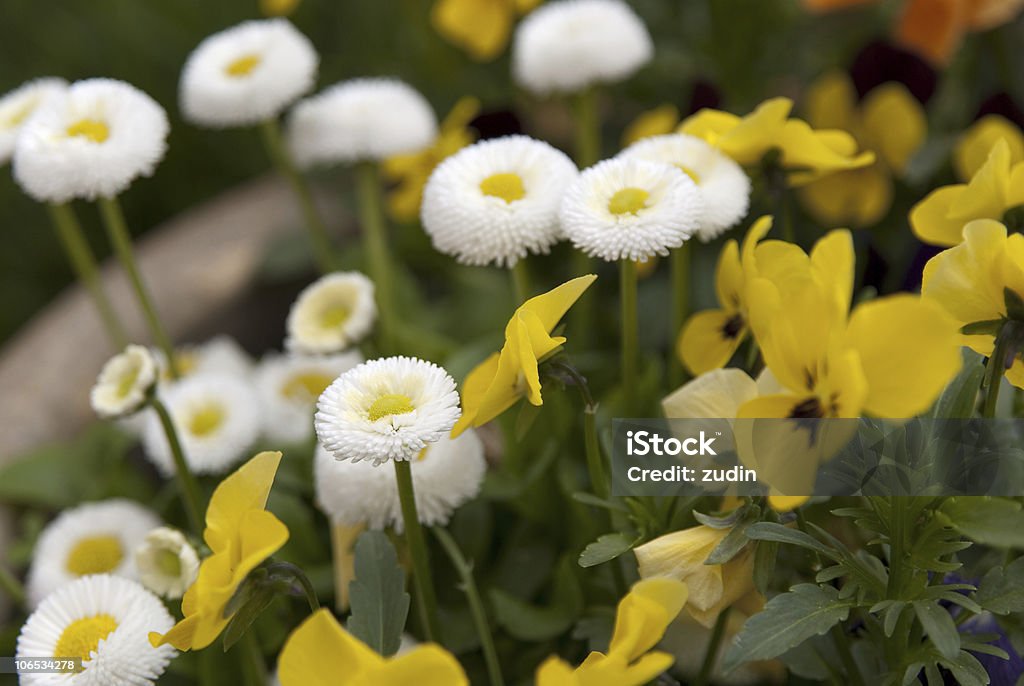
[857, 197]
[709, 339]
[1015, 193]
[424, 665]
[930, 220]
[552, 306]
[645, 670]
[555, 671]
[680, 555]
[758, 230]
[474, 389]
[244, 490]
[180, 635]
[974, 146]
[526, 359]
[1015, 374]
[644, 615]
[717, 394]
[525, 6]
[709, 124]
[967, 280]
[894, 123]
[909, 350]
[660, 120]
[986, 194]
[260, 535]
[833, 260]
[786, 503]
[831, 102]
[319, 651]
[480, 27]
[758, 132]
[818, 152]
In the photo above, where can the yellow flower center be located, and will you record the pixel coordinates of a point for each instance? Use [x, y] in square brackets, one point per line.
[390, 404]
[306, 386]
[628, 201]
[168, 563]
[94, 555]
[82, 636]
[127, 382]
[94, 130]
[507, 186]
[243, 66]
[689, 172]
[334, 316]
[206, 420]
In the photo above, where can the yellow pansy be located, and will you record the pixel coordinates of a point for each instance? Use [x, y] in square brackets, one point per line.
[710, 338]
[804, 152]
[640, 623]
[974, 146]
[321, 653]
[712, 588]
[661, 120]
[241, 534]
[498, 382]
[278, 8]
[480, 27]
[998, 186]
[410, 171]
[970, 280]
[889, 121]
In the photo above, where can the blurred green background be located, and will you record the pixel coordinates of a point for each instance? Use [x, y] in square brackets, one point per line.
[733, 52]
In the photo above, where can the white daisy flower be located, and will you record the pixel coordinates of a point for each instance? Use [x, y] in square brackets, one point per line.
[93, 538]
[247, 74]
[497, 201]
[386, 409]
[219, 355]
[217, 419]
[724, 186]
[17, 106]
[105, 621]
[445, 475]
[331, 314]
[362, 119]
[166, 562]
[565, 46]
[288, 388]
[94, 141]
[124, 384]
[624, 209]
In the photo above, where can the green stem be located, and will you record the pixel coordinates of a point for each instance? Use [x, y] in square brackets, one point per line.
[83, 261]
[521, 281]
[842, 641]
[994, 371]
[680, 266]
[707, 667]
[254, 667]
[896, 540]
[630, 334]
[414, 538]
[186, 481]
[476, 606]
[587, 151]
[595, 463]
[323, 251]
[375, 246]
[296, 573]
[11, 586]
[117, 231]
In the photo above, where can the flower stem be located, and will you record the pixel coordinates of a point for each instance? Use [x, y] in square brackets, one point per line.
[83, 261]
[630, 335]
[842, 642]
[297, 574]
[117, 231]
[186, 481]
[476, 606]
[323, 251]
[587, 151]
[11, 586]
[371, 215]
[254, 667]
[995, 369]
[707, 667]
[425, 597]
[521, 281]
[680, 267]
[595, 463]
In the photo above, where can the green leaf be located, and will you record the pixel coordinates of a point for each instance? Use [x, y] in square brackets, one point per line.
[961, 395]
[529, 622]
[769, 531]
[594, 501]
[258, 600]
[787, 620]
[939, 626]
[765, 555]
[1014, 304]
[992, 521]
[988, 327]
[607, 547]
[379, 602]
[967, 670]
[1002, 589]
[730, 546]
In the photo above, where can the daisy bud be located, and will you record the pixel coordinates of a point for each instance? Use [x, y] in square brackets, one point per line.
[167, 564]
[124, 384]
